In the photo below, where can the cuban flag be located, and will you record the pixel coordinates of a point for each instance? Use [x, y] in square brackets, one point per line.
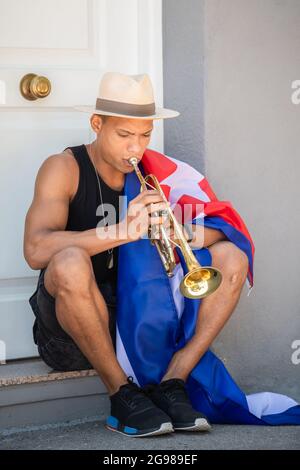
[154, 320]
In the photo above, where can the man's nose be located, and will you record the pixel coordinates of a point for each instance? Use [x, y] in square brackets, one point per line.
[134, 147]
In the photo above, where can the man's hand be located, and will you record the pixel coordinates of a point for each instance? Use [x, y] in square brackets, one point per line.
[170, 232]
[141, 214]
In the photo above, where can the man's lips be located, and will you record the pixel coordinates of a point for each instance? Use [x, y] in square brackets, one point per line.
[126, 161]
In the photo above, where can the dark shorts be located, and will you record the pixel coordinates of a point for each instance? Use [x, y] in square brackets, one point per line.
[57, 349]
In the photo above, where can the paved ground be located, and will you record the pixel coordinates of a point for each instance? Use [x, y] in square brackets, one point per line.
[91, 434]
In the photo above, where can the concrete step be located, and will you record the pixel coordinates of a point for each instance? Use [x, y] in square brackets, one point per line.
[32, 394]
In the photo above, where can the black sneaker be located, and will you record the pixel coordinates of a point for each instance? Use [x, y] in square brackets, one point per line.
[134, 414]
[171, 396]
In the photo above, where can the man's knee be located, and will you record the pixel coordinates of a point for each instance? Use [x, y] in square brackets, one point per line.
[70, 269]
[232, 262]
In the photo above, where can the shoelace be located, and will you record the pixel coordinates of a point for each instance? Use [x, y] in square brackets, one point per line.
[172, 390]
[175, 389]
[137, 394]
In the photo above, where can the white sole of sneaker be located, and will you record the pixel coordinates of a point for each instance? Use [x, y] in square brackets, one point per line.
[200, 425]
[165, 428]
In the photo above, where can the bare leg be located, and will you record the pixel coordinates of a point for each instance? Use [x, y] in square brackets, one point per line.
[214, 310]
[82, 312]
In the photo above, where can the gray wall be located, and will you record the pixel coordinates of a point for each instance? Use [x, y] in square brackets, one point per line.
[248, 133]
[183, 79]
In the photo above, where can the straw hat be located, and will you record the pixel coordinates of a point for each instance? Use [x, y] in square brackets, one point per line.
[129, 96]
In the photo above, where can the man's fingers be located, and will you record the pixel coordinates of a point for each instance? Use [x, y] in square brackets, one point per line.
[147, 193]
[158, 206]
[157, 220]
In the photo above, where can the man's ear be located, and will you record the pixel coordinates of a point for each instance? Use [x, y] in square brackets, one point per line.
[96, 123]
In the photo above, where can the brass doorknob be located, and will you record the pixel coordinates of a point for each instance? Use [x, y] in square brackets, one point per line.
[34, 86]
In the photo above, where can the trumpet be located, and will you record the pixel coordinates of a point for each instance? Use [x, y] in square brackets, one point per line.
[200, 281]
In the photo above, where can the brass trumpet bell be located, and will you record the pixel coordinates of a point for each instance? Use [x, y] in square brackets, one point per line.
[199, 283]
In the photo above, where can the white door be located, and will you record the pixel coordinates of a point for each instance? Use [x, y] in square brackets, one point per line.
[71, 42]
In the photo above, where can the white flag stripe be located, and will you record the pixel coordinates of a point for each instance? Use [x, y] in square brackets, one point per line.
[123, 358]
[268, 403]
[175, 283]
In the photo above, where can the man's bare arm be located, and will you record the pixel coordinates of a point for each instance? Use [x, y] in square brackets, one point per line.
[47, 216]
[204, 236]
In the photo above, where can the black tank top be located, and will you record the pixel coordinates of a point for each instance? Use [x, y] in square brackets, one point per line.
[82, 211]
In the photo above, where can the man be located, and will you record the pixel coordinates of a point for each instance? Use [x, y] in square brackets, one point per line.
[75, 300]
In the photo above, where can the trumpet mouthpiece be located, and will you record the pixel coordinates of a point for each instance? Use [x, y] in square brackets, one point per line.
[133, 160]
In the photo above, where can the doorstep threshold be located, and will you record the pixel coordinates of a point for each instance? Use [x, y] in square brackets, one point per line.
[34, 370]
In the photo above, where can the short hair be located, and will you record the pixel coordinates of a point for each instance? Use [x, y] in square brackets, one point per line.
[104, 117]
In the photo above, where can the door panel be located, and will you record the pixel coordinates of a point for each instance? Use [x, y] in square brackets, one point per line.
[71, 42]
